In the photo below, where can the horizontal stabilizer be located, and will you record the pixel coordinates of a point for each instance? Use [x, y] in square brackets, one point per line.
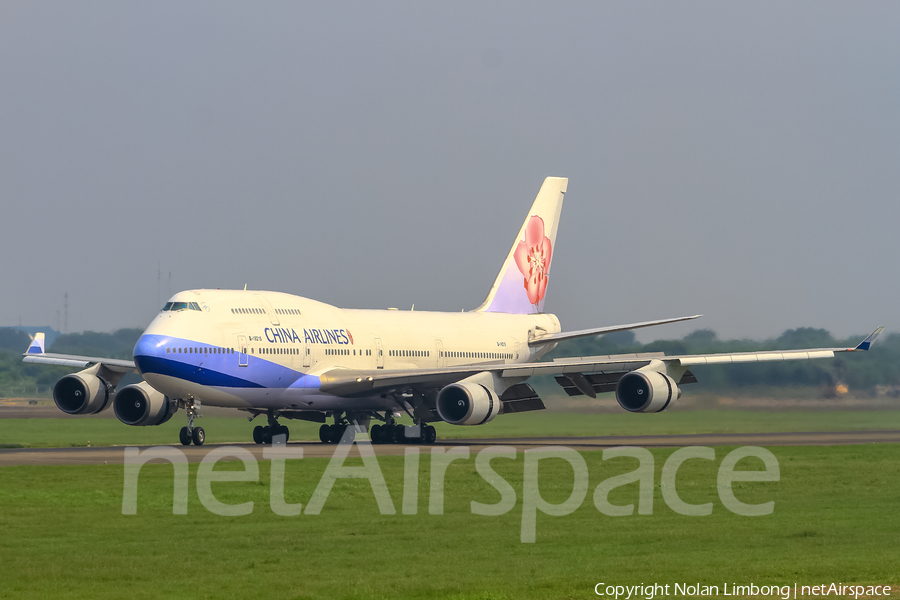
[571, 335]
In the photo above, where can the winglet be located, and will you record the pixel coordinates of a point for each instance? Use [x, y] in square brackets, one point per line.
[37, 344]
[867, 343]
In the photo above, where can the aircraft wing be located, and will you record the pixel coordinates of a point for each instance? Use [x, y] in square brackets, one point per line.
[36, 354]
[586, 375]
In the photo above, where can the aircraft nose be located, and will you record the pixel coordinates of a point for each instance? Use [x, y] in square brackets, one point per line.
[148, 347]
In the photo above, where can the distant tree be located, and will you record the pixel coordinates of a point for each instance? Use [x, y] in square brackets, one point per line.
[701, 338]
[804, 337]
[13, 340]
[623, 339]
[119, 344]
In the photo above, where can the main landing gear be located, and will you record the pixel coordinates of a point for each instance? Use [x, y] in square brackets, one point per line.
[394, 433]
[263, 434]
[389, 433]
[190, 433]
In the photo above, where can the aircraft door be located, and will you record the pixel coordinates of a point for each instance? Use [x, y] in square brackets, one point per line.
[306, 352]
[439, 348]
[267, 306]
[243, 359]
[379, 354]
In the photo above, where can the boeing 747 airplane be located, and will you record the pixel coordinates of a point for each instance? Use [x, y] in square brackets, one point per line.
[288, 357]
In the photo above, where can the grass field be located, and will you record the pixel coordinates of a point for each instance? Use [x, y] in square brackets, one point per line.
[103, 432]
[64, 534]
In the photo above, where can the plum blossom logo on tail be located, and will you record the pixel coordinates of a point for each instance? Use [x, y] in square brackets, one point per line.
[533, 259]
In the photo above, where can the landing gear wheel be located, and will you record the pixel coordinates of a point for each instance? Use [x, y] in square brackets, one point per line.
[325, 434]
[280, 430]
[352, 429]
[198, 436]
[337, 432]
[185, 436]
[258, 434]
[430, 434]
[399, 432]
[267, 435]
[375, 434]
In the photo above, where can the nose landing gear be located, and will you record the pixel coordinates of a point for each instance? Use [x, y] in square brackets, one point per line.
[190, 433]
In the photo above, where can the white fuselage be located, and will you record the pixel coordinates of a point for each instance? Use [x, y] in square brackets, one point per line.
[267, 349]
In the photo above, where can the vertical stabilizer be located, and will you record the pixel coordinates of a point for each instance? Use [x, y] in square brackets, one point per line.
[522, 283]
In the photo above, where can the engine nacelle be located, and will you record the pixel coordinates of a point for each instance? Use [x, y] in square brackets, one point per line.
[472, 401]
[139, 404]
[83, 393]
[646, 391]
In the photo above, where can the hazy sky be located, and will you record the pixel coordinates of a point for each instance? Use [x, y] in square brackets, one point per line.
[740, 160]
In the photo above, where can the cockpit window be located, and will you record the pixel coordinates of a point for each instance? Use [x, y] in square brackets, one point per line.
[169, 306]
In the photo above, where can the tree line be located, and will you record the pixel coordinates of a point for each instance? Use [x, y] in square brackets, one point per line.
[859, 371]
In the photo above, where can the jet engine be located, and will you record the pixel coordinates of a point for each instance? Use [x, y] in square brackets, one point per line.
[83, 393]
[472, 401]
[646, 391]
[139, 404]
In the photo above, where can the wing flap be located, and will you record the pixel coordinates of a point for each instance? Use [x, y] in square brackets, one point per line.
[604, 382]
[750, 357]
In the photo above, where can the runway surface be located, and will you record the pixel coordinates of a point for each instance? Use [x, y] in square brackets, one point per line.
[115, 454]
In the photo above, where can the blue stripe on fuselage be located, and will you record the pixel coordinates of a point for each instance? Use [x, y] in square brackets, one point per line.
[212, 369]
[192, 373]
